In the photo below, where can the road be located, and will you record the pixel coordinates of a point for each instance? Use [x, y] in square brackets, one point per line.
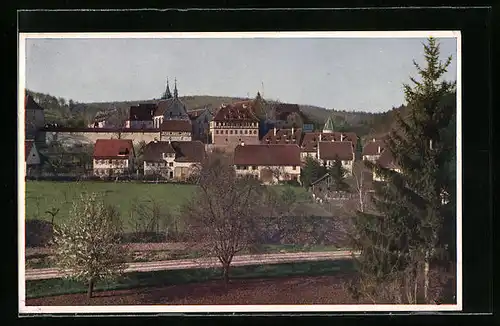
[243, 260]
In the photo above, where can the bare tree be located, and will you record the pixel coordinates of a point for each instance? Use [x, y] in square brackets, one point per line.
[118, 118]
[222, 217]
[87, 248]
[360, 186]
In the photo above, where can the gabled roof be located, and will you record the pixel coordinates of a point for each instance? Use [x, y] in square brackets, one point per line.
[142, 112]
[189, 151]
[329, 150]
[310, 139]
[172, 108]
[113, 148]
[267, 155]
[153, 151]
[387, 160]
[28, 145]
[30, 104]
[236, 112]
[372, 147]
[283, 136]
[176, 125]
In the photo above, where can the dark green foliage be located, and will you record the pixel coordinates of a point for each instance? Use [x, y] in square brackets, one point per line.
[410, 227]
[311, 171]
[338, 175]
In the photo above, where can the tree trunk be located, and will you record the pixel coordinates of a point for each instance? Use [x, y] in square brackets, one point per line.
[91, 288]
[426, 278]
[225, 275]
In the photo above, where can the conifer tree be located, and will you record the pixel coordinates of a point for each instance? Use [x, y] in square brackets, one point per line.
[338, 175]
[410, 227]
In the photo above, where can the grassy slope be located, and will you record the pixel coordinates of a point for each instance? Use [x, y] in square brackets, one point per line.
[40, 288]
[43, 195]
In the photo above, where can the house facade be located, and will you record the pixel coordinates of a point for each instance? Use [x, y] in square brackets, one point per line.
[113, 157]
[34, 120]
[32, 158]
[310, 141]
[329, 151]
[268, 163]
[372, 150]
[176, 130]
[173, 160]
[274, 136]
[234, 124]
[387, 161]
[200, 121]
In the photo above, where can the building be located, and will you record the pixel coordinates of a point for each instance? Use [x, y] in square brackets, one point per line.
[34, 120]
[386, 160]
[113, 157]
[170, 107]
[31, 157]
[310, 140]
[176, 130]
[372, 150]
[141, 116]
[329, 126]
[234, 124]
[173, 160]
[282, 136]
[329, 151]
[200, 121]
[268, 163]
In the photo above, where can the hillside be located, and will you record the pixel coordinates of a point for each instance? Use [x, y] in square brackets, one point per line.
[71, 113]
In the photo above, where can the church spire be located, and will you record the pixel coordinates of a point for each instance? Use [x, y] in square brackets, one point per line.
[329, 125]
[167, 93]
[176, 94]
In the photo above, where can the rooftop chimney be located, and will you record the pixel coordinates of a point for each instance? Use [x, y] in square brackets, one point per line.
[430, 144]
[242, 143]
[341, 137]
[319, 136]
[379, 149]
[373, 139]
[275, 131]
[293, 129]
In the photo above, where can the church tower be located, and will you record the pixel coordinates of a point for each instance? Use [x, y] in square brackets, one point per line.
[176, 94]
[329, 126]
[167, 95]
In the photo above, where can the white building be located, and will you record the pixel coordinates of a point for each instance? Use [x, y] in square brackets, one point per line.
[176, 130]
[113, 157]
[268, 163]
[329, 151]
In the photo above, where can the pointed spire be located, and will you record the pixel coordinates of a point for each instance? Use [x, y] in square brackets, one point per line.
[329, 126]
[167, 93]
[176, 94]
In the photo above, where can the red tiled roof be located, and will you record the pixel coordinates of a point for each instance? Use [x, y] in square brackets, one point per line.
[28, 144]
[240, 111]
[176, 125]
[310, 139]
[113, 148]
[329, 150]
[283, 136]
[371, 148]
[142, 112]
[267, 155]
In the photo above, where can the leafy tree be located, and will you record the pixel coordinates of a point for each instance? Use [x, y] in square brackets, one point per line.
[87, 248]
[338, 175]
[405, 236]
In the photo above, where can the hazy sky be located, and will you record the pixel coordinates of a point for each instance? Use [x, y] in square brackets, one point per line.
[342, 73]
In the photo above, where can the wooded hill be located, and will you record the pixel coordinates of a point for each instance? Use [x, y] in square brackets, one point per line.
[71, 113]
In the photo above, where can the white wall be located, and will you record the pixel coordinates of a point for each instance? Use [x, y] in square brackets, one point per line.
[280, 171]
[119, 166]
[175, 136]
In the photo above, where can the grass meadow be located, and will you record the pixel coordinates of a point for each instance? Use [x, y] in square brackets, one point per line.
[42, 196]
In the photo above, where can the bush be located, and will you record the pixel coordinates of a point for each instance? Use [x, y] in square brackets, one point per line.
[38, 233]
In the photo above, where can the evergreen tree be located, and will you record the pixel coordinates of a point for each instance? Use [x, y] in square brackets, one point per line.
[409, 230]
[312, 171]
[338, 175]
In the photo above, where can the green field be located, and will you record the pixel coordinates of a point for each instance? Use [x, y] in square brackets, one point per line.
[44, 195]
[41, 288]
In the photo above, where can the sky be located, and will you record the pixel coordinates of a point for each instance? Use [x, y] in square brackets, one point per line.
[361, 74]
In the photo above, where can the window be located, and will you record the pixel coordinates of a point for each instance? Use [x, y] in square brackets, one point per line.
[171, 164]
[226, 139]
[109, 161]
[241, 131]
[246, 132]
[217, 132]
[294, 167]
[254, 167]
[255, 131]
[226, 132]
[231, 132]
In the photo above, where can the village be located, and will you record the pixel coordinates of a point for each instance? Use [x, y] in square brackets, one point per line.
[270, 144]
